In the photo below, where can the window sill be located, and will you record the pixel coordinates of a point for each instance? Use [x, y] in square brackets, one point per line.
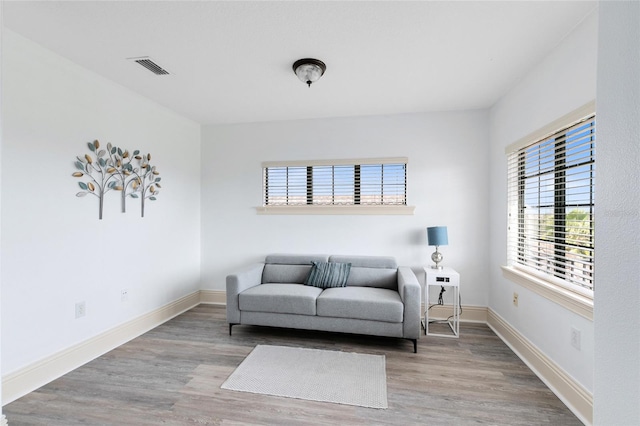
[336, 210]
[576, 303]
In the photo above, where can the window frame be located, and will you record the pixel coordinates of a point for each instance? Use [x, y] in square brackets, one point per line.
[571, 296]
[309, 206]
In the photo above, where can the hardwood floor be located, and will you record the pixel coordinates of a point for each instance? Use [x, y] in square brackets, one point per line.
[172, 376]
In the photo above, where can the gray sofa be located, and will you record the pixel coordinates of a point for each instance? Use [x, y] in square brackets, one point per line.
[379, 298]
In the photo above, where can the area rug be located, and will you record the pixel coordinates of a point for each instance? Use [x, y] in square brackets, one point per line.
[313, 374]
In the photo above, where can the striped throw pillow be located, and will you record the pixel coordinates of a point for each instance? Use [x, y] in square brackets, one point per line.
[328, 274]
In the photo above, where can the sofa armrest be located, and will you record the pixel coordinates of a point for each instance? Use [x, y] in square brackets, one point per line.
[236, 284]
[409, 289]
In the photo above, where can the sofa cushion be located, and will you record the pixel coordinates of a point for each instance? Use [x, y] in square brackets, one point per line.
[378, 304]
[371, 271]
[373, 277]
[274, 273]
[280, 298]
[289, 268]
[328, 274]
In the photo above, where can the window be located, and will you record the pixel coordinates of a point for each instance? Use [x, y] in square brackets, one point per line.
[551, 206]
[364, 182]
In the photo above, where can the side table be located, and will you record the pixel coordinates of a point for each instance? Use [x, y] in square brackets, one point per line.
[450, 279]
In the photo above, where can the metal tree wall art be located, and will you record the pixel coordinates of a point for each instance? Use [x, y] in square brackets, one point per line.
[147, 182]
[98, 172]
[112, 170]
[121, 168]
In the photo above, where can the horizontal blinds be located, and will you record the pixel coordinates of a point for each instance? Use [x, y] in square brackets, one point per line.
[338, 162]
[332, 185]
[551, 204]
[342, 184]
[382, 184]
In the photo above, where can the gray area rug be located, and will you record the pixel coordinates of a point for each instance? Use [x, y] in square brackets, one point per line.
[313, 374]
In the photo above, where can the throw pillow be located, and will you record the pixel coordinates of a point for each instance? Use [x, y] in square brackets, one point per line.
[328, 274]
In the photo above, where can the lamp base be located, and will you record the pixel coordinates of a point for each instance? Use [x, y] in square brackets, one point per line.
[437, 259]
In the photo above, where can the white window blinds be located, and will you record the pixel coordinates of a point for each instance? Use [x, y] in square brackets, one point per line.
[364, 182]
[551, 205]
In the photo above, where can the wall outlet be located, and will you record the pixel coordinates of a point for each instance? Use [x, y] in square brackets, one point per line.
[575, 338]
[124, 295]
[81, 309]
[515, 299]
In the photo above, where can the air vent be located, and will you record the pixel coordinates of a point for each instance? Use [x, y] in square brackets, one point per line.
[148, 63]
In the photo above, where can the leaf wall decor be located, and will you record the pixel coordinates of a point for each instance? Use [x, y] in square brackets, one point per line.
[111, 169]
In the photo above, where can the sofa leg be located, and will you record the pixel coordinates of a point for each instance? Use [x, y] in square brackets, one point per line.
[230, 325]
[415, 345]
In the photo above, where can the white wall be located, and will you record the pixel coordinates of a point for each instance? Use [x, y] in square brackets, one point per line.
[447, 183]
[617, 317]
[55, 251]
[562, 82]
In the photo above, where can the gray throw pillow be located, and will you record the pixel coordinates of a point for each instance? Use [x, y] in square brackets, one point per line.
[328, 274]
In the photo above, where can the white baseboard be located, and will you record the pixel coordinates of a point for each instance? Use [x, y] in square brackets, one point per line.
[571, 393]
[213, 297]
[31, 377]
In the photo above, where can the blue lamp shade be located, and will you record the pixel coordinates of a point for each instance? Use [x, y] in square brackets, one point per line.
[437, 236]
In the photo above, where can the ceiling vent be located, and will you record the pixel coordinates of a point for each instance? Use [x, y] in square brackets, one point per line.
[149, 64]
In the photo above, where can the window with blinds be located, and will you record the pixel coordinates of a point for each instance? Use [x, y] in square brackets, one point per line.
[337, 182]
[551, 205]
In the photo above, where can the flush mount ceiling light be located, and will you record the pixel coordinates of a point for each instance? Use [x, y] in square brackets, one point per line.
[309, 70]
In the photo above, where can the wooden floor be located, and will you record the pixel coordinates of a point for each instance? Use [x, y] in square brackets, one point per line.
[172, 376]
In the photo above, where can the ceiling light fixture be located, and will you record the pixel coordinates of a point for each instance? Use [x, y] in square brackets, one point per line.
[309, 70]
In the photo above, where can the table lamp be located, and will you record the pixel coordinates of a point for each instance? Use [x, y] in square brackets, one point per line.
[437, 236]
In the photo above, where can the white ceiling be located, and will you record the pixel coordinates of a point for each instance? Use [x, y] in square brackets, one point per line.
[231, 61]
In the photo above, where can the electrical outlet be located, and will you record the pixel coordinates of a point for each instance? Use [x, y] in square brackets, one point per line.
[575, 338]
[81, 309]
[515, 299]
[124, 295]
